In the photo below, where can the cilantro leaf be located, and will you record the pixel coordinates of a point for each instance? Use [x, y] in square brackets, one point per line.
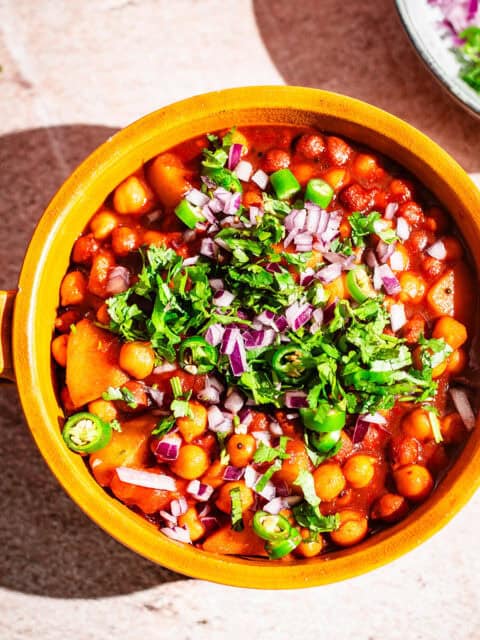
[264, 453]
[120, 393]
[164, 426]
[305, 481]
[236, 509]
[310, 517]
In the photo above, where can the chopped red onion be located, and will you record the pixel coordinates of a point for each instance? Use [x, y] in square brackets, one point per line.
[208, 215]
[223, 298]
[254, 339]
[262, 436]
[165, 367]
[214, 334]
[210, 523]
[229, 339]
[189, 262]
[384, 250]
[391, 210]
[179, 534]
[168, 447]
[375, 418]
[329, 312]
[197, 198]
[360, 430]
[403, 229]
[463, 406]
[246, 417]
[209, 395]
[383, 275]
[214, 417]
[215, 205]
[275, 428]
[329, 273]
[296, 399]
[208, 248]
[146, 479]
[234, 401]
[437, 250]
[216, 283]
[275, 506]
[199, 490]
[118, 280]
[260, 178]
[371, 259]
[231, 474]
[250, 476]
[306, 277]
[168, 517]
[243, 170]
[238, 358]
[396, 261]
[297, 315]
[266, 317]
[156, 396]
[233, 205]
[397, 316]
[255, 214]
[178, 507]
[234, 155]
[268, 492]
[332, 227]
[280, 323]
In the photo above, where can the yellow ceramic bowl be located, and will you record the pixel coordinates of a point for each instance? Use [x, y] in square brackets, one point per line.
[47, 259]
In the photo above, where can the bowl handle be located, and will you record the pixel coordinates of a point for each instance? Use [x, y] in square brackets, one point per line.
[6, 309]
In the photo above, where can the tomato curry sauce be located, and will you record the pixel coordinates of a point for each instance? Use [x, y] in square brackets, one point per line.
[262, 342]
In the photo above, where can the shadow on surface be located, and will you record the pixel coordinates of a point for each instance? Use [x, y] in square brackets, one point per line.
[49, 547]
[360, 49]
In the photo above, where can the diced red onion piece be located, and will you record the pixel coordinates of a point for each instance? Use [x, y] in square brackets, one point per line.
[297, 315]
[234, 155]
[178, 507]
[229, 339]
[258, 338]
[165, 367]
[238, 358]
[146, 479]
[360, 430]
[246, 417]
[384, 276]
[210, 523]
[223, 298]
[215, 205]
[313, 220]
[168, 517]
[214, 417]
[156, 396]
[189, 262]
[255, 214]
[296, 399]
[275, 506]
[231, 474]
[168, 448]
[260, 178]
[384, 250]
[275, 428]
[197, 198]
[262, 436]
[234, 401]
[179, 534]
[371, 259]
[437, 250]
[268, 492]
[329, 273]
[243, 170]
[199, 490]
[375, 418]
[397, 316]
[463, 406]
[214, 334]
[396, 261]
[306, 277]
[216, 283]
[231, 208]
[390, 210]
[118, 280]
[210, 395]
[208, 248]
[403, 229]
[250, 477]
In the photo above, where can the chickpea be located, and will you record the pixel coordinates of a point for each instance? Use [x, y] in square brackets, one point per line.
[59, 349]
[437, 220]
[125, 240]
[436, 458]
[338, 151]
[366, 168]
[137, 359]
[192, 462]
[416, 424]
[452, 428]
[400, 190]
[252, 198]
[102, 314]
[102, 224]
[275, 159]
[453, 332]
[64, 321]
[413, 287]
[405, 450]
[309, 547]
[193, 426]
[413, 482]
[241, 448]
[311, 146]
[73, 289]
[329, 481]
[359, 470]
[390, 507]
[457, 361]
[104, 409]
[192, 522]
[356, 198]
[353, 528]
[224, 501]
[419, 240]
[84, 249]
[102, 262]
[298, 461]
[133, 196]
[412, 212]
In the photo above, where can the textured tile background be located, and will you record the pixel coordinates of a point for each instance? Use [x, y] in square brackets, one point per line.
[73, 72]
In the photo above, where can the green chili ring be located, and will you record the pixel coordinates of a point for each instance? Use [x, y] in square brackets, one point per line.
[197, 356]
[271, 527]
[287, 364]
[323, 422]
[85, 433]
[277, 549]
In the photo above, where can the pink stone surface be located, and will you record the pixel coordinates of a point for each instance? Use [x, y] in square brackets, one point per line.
[73, 72]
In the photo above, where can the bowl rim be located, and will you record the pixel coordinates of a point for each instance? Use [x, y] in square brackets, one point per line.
[31, 369]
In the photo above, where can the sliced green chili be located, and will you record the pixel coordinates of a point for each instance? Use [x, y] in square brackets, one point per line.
[319, 192]
[86, 433]
[359, 285]
[323, 419]
[285, 184]
[279, 548]
[271, 527]
[188, 214]
[324, 442]
[197, 356]
[287, 363]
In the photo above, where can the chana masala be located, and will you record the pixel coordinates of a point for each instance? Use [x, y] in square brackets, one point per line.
[262, 344]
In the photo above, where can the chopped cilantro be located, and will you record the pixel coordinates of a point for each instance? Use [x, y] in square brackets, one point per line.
[305, 481]
[364, 225]
[120, 393]
[264, 453]
[266, 477]
[310, 517]
[115, 425]
[236, 513]
[164, 426]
